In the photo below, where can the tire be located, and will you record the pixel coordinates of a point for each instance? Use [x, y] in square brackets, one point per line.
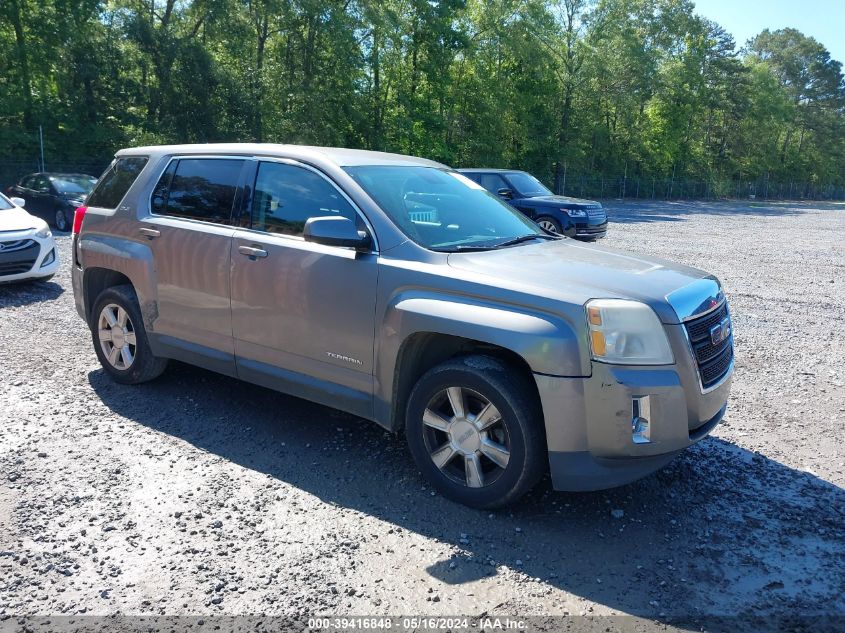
[433, 430]
[550, 224]
[139, 365]
[60, 220]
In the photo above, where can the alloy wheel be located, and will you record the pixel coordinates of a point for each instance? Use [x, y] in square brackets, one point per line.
[61, 220]
[117, 336]
[548, 225]
[466, 437]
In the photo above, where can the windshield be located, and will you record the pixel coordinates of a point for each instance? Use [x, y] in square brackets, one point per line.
[5, 203]
[527, 185]
[81, 185]
[443, 210]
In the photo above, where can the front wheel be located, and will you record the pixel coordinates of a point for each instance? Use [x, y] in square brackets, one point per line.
[61, 221]
[120, 339]
[550, 224]
[475, 430]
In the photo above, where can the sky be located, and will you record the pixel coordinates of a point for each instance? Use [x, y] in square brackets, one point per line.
[821, 19]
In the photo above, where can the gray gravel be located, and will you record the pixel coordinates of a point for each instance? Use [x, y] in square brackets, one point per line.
[197, 494]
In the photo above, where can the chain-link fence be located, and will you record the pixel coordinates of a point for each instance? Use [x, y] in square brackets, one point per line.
[623, 187]
[581, 185]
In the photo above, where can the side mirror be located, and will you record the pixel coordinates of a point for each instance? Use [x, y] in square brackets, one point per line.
[335, 231]
[505, 193]
[18, 202]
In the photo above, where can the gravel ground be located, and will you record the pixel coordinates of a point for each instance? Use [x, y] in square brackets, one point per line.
[198, 494]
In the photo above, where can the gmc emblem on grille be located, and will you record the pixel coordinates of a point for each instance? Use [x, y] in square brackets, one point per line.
[720, 331]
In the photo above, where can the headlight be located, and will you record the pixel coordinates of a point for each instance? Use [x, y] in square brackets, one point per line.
[575, 213]
[627, 333]
[43, 232]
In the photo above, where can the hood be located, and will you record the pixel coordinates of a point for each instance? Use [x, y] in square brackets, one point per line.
[18, 220]
[574, 272]
[565, 202]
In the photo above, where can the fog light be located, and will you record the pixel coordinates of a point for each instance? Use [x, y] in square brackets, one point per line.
[641, 420]
[51, 257]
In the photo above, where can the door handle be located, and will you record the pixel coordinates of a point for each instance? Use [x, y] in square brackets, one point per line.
[150, 233]
[252, 252]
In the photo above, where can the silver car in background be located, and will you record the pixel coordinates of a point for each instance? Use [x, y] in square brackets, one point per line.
[399, 290]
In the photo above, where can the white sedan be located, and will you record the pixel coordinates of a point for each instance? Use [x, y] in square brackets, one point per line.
[27, 248]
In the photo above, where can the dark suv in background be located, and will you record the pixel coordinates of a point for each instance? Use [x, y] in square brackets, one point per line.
[582, 219]
[53, 197]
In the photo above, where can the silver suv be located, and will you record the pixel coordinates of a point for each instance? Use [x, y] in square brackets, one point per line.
[399, 290]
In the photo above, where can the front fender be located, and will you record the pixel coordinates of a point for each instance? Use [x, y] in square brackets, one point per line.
[548, 343]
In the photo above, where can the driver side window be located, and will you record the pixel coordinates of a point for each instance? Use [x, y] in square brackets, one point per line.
[493, 182]
[287, 196]
[42, 185]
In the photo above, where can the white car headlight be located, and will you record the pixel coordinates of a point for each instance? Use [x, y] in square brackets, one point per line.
[575, 213]
[626, 332]
[43, 232]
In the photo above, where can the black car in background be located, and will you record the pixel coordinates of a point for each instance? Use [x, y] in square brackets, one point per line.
[582, 219]
[53, 197]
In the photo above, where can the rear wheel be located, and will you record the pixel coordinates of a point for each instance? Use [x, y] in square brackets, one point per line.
[120, 339]
[475, 430]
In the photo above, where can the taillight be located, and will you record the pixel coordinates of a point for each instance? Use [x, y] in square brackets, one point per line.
[77, 219]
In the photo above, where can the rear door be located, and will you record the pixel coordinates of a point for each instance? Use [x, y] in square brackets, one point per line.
[190, 233]
[302, 313]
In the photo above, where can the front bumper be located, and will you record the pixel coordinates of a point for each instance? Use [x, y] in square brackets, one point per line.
[591, 229]
[26, 256]
[591, 423]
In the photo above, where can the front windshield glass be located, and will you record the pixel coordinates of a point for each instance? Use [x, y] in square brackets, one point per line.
[81, 185]
[441, 209]
[5, 203]
[527, 185]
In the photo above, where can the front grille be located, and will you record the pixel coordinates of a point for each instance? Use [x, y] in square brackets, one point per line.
[17, 256]
[713, 361]
[12, 246]
[596, 212]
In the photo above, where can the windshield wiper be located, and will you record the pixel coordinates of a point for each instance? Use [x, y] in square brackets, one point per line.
[525, 238]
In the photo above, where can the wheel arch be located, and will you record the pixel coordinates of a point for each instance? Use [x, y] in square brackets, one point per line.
[567, 226]
[95, 281]
[421, 331]
[112, 260]
[422, 351]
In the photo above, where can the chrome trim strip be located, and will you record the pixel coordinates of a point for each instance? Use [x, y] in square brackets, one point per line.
[641, 419]
[730, 369]
[696, 299]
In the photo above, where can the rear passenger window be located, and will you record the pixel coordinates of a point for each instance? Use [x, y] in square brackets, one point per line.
[114, 184]
[198, 189]
[286, 196]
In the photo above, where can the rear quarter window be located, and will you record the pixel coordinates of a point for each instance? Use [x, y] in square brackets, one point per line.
[114, 184]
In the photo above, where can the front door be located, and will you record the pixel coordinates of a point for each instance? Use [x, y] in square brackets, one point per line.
[190, 233]
[302, 313]
[40, 201]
